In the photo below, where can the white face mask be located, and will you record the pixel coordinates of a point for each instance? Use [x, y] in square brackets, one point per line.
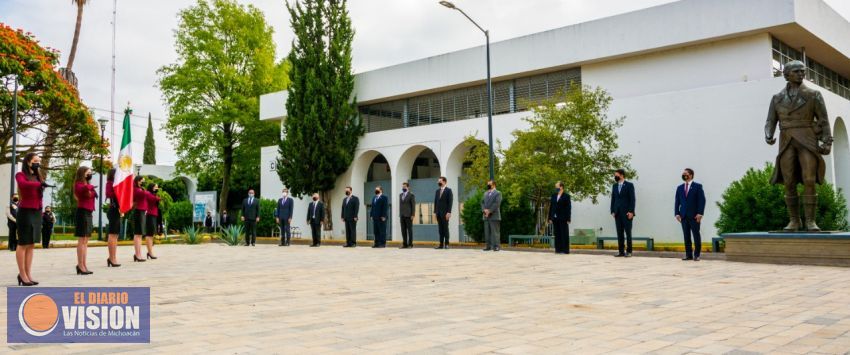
[285, 194]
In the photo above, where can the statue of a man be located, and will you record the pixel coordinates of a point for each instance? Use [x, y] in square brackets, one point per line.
[804, 136]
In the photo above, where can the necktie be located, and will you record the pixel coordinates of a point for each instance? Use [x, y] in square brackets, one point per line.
[441, 193]
[346, 200]
[315, 204]
[620, 188]
[250, 201]
[686, 190]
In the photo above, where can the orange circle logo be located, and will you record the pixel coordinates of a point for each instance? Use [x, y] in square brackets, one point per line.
[38, 314]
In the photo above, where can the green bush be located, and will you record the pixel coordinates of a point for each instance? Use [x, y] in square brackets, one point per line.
[192, 235]
[515, 219]
[232, 235]
[754, 204]
[267, 223]
[180, 215]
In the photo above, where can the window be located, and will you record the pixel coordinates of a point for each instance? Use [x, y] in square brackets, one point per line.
[816, 72]
[424, 213]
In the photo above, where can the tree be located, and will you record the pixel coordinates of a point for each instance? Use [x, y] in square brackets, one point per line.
[753, 204]
[73, 53]
[149, 156]
[570, 139]
[46, 103]
[516, 219]
[476, 163]
[321, 129]
[226, 60]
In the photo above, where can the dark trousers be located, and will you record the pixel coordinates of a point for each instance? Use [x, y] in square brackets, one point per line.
[380, 229]
[443, 227]
[624, 233]
[285, 232]
[562, 236]
[407, 231]
[13, 235]
[350, 232]
[316, 231]
[250, 231]
[46, 232]
[691, 227]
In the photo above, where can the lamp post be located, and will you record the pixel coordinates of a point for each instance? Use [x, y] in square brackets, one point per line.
[14, 159]
[102, 122]
[489, 86]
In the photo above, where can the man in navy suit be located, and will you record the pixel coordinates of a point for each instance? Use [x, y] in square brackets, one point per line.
[379, 213]
[283, 216]
[689, 209]
[443, 200]
[315, 217]
[350, 209]
[623, 211]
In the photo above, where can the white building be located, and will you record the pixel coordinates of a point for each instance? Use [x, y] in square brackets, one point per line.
[694, 79]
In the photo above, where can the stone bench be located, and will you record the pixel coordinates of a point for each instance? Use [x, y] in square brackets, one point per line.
[650, 242]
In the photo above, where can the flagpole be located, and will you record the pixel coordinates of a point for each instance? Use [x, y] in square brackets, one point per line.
[112, 90]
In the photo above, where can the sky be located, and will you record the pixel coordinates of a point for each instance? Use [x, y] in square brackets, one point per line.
[387, 32]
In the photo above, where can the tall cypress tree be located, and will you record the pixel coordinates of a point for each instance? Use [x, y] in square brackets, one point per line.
[149, 156]
[321, 130]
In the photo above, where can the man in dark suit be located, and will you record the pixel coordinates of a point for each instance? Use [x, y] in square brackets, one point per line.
[315, 216]
[283, 216]
[379, 213]
[623, 211]
[250, 217]
[350, 209]
[443, 210]
[560, 215]
[225, 219]
[208, 222]
[492, 216]
[689, 209]
[407, 207]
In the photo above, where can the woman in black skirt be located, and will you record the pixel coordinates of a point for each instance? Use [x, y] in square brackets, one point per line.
[140, 207]
[85, 195]
[113, 215]
[31, 191]
[152, 226]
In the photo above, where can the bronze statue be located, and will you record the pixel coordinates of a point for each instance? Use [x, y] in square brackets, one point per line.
[804, 136]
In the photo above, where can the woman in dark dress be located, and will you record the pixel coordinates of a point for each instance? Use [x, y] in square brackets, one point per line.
[113, 215]
[85, 195]
[31, 192]
[140, 207]
[560, 215]
[152, 225]
[47, 221]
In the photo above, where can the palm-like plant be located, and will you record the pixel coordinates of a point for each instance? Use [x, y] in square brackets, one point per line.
[192, 235]
[73, 53]
[232, 235]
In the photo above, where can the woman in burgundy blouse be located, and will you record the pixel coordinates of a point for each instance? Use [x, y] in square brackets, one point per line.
[85, 195]
[152, 218]
[140, 207]
[113, 215]
[31, 186]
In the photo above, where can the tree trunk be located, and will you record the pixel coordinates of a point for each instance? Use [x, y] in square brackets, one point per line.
[73, 53]
[329, 219]
[228, 166]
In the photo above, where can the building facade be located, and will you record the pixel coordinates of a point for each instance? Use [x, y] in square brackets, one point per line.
[693, 78]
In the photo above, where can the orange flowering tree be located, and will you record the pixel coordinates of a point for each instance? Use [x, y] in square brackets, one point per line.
[46, 103]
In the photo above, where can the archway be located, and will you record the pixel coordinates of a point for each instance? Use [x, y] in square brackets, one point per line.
[377, 173]
[420, 167]
[456, 167]
[841, 157]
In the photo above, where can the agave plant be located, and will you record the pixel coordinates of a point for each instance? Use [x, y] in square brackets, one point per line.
[192, 235]
[232, 235]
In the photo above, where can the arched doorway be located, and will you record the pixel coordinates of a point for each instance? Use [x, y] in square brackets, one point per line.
[377, 174]
[457, 166]
[841, 157]
[423, 168]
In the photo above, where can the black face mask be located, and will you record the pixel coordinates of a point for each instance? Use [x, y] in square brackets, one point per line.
[440, 184]
[88, 177]
[616, 178]
[315, 198]
[377, 192]
[35, 167]
[15, 200]
[348, 193]
[684, 177]
[489, 187]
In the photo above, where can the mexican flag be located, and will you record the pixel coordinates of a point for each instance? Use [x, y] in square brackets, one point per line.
[123, 183]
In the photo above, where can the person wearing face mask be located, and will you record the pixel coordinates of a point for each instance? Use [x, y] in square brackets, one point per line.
[47, 221]
[379, 213]
[140, 208]
[350, 209]
[560, 215]
[85, 194]
[114, 216]
[225, 220]
[406, 209]
[152, 219]
[315, 217]
[689, 209]
[623, 211]
[443, 210]
[11, 222]
[283, 216]
[492, 216]
[250, 217]
[208, 222]
[31, 186]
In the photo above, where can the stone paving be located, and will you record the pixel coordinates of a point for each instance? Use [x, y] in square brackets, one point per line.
[297, 300]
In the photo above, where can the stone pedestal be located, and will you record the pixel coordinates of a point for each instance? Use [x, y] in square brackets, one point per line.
[803, 248]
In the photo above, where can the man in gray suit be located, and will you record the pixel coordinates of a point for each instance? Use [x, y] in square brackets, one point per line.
[492, 216]
[407, 205]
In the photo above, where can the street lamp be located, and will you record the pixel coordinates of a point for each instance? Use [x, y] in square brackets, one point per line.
[14, 159]
[489, 86]
[102, 122]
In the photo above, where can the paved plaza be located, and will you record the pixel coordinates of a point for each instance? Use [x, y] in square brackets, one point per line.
[296, 300]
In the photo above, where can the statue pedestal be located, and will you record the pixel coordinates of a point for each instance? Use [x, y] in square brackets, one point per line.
[802, 248]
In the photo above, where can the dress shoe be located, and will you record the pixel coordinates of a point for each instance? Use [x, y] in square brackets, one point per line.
[313, 245]
[619, 255]
[486, 249]
[696, 259]
[439, 247]
[22, 283]
[687, 258]
[497, 249]
[628, 255]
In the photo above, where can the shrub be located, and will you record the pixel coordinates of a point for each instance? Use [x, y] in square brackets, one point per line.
[754, 204]
[267, 223]
[192, 235]
[232, 235]
[515, 219]
[180, 215]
